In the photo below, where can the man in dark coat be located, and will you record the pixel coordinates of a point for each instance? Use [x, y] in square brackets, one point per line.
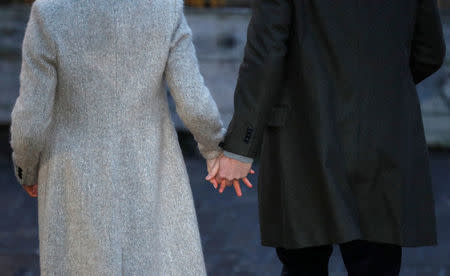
[326, 92]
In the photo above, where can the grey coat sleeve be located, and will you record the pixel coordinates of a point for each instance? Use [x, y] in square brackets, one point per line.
[194, 103]
[32, 113]
[428, 45]
[260, 75]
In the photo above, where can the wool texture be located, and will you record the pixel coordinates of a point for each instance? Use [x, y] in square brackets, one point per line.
[92, 128]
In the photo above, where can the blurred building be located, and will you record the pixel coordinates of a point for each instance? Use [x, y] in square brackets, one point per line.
[444, 4]
[219, 28]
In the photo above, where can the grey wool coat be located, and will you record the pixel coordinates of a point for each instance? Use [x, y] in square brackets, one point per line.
[92, 127]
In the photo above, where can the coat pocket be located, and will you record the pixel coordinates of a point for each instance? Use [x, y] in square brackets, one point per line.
[279, 116]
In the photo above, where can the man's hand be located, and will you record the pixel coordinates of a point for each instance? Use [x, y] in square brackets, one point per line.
[31, 190]
[231, 171]
[232, 168]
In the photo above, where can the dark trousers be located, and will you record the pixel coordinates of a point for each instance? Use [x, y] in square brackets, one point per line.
[361, 258]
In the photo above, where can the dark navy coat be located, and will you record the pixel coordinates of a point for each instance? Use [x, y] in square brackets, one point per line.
[327, 95]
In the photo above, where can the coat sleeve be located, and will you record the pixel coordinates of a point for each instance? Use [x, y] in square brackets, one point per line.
[260, 75]
[32, 112]
[428, 45]
[194, 103]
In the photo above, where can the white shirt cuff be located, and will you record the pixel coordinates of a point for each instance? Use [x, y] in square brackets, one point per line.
[238, 157]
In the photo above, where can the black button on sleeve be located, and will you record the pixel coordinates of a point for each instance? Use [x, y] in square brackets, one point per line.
[248, 135]
[19, 172]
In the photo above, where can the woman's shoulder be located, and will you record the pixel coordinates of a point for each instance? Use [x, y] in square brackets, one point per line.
[174, 5]
[50, 13]
[51, 9]
[49, 6]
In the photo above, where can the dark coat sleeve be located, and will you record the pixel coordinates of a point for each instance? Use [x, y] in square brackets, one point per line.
[260, 75]
[428, 45]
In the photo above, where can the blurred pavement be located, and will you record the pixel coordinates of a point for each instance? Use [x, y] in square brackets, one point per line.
[228, 225]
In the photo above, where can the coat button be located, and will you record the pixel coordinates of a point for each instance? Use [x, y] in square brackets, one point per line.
[19, 172]
[248, 135]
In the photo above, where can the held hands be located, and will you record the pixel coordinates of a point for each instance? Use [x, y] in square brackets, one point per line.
[224, 171]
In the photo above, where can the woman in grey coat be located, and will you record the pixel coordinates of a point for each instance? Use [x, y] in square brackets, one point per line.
[92, 129]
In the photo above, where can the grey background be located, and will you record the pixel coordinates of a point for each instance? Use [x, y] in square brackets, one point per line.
[219, 36]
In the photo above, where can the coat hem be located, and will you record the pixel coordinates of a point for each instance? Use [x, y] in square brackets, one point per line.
[298, 245]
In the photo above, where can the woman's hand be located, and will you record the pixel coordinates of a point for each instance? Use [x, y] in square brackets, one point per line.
[31, 190]
[215, 177]
[213, 169]
[235, 182]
